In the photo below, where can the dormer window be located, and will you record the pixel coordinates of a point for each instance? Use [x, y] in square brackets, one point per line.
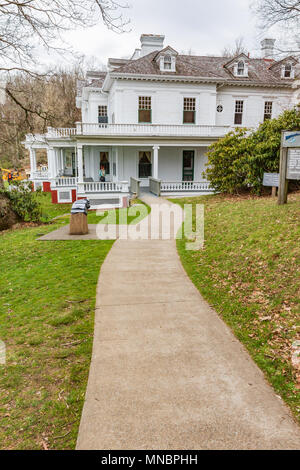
[241, 68]
[166, 59]
[287, 71]
[238, 66]
[167, 62]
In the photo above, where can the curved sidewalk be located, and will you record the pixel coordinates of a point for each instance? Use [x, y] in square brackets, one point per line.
[166, 372]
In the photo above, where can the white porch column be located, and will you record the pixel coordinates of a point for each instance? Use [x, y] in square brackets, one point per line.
[32, 155]
[117, 163]
[56, 162]
[51, 162]
[80, 163]
[155, 161]
[61, 156]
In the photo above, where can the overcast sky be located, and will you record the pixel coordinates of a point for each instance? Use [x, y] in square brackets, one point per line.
[203, 26]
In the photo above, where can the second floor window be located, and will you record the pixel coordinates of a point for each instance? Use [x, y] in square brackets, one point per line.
[189, 110]
[268, 110]
[239, 109]
[102, 115]
[145, 109]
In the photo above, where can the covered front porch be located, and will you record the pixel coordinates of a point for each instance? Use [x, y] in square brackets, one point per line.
[165, 167]
[177, 167]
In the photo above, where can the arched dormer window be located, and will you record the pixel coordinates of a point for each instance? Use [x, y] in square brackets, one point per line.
[241, 68]
[167, 62]
[166, 59]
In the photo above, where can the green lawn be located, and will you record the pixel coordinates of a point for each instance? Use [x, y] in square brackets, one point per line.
[114, 216]
[249, 271]
[47, 298]
[49, 210]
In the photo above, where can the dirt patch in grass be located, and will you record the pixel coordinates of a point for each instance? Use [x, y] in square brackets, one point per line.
[249, 271]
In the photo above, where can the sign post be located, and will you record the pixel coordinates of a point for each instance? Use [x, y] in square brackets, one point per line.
[289, 162]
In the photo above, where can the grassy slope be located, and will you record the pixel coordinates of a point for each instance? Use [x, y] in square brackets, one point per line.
[47, 297]
[49, 210]
[249, 272]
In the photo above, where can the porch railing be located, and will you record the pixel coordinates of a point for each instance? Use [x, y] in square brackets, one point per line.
[66, 181]
[61, 132]
[135, 186]
[39, 175]
[107, 187]
[173, 186]
[155, 186]
[151, 129]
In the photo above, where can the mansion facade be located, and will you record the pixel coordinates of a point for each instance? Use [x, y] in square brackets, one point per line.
[148, 121]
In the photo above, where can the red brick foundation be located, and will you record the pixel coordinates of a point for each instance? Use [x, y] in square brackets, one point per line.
[73, 195]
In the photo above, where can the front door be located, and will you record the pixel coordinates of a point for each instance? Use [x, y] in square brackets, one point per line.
[188, 165]
[104, 164]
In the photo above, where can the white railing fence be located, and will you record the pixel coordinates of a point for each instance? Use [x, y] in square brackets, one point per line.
[107, 187]
[201, 186]
[61, 132]
[39, 175]
[66, 181]
[151, 129]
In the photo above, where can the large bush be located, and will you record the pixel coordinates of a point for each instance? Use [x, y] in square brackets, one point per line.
[239, 160]
[23, 201]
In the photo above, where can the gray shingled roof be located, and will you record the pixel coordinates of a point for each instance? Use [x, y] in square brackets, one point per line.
[96, 82]
[205, 67]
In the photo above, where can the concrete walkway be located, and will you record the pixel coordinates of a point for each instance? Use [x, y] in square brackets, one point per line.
[166, 372]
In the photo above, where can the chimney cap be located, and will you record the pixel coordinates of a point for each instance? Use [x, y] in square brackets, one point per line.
[158, 36]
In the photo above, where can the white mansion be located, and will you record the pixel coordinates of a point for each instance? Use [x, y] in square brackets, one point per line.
[148, 121]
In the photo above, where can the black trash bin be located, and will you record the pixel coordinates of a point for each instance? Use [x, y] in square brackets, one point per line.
[78, 222]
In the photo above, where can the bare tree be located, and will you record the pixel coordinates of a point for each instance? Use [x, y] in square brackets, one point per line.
[285, 14]
[51, 102]
[236, 49]
[26, 26]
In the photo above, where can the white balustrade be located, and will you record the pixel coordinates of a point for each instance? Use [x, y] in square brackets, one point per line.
[107, 187]
[39, 175]
[61, 132]
[173, 186]
[151, 129]
[66, 181]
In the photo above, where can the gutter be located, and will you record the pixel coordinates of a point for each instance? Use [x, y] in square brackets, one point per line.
[191, 79]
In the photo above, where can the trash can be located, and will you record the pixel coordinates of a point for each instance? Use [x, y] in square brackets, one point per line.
[78, 221]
